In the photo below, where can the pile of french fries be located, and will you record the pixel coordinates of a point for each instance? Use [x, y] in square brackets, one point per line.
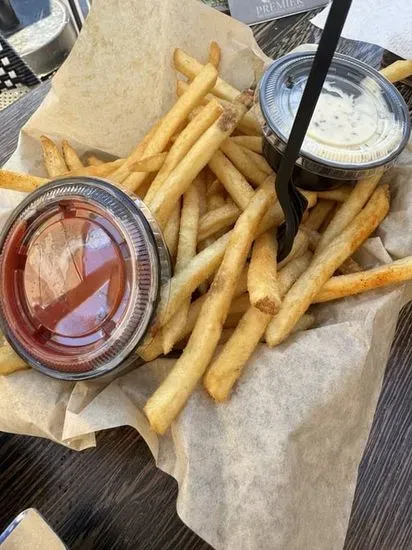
[201, 171]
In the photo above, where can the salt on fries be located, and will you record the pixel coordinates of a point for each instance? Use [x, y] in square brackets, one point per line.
[201, 171]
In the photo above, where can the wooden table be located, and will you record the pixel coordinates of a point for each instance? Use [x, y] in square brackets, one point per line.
[113, 497]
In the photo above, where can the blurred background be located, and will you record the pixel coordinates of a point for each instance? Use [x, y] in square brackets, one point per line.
[35, 38]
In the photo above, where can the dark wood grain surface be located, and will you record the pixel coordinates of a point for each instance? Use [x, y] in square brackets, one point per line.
[113, 497]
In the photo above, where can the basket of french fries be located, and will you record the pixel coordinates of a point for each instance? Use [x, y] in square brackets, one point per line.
[200, 171]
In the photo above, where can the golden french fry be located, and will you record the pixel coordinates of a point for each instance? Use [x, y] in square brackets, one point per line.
[183, 284]
[355, 283]
[318, 214]
[19, 181]
[153, 347]
[150, 164]
[53, 160]
[190, 67]
[200, 182]
[341, 194]
[92, 160]
[399, 70]
[123, 171]
[313, 236]
[170, 123]
[292, 271]
[303, 292]
[195, 160]
[70, 156]
[168, 400]
[186, 251]
[204, 265]
[186, 139]
[243, 163]
[227, 367]
[233, 181]
[215, 54]
[257, 159]
[300, 246]
[171, 232]
[254, 143]
[262, 277]
[348, 266]
[349, 209]
[306, 322]
[243, 126]
[10, 361]
[217, 219]
[101, 170]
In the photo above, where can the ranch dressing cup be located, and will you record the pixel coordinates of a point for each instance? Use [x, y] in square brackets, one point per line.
[81, 268]
[360, 125]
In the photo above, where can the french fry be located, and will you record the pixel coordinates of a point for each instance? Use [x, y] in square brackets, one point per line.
[349, 209]
[201, 85]
[186, 251]
[214, 54]
[92, 160]
[306, 322]
[200, 182]
[19, 181]
[227, 367]
[183, 284]
[257, 159]
[318, 214]
[254, 143]
[195, 160]
[243, 125]
[101, 170]
[186, 139]
[10, 361]
[124, 169]
[355, 283]
[150, 164]
[303, 292]
[243, 163]
[168, 400]
[300, 246]
[292, 271]
[70, 156]
[348, 266]
[217, 219]
[233, 181]
[399, 70]
[190, 67]
[53, 160]
[171, 232]
[341, 194]
[262, 277]
[154, 347]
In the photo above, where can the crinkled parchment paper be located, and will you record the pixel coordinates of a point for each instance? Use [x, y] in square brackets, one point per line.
[275, 468]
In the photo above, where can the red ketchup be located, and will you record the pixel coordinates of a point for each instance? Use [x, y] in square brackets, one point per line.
[81, 267]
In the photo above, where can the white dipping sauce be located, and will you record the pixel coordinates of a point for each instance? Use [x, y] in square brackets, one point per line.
[353, 128]
[341, 119]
